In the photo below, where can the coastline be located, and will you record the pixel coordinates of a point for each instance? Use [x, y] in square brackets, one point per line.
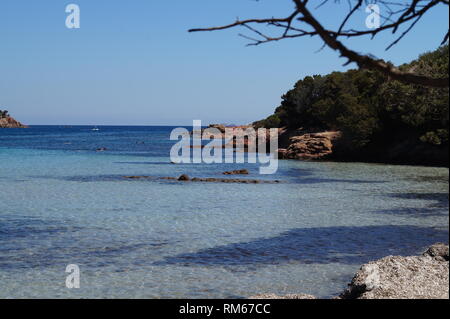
[332, 146]
[308, 234]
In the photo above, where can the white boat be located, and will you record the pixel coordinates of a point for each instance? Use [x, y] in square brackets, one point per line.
[95, 129]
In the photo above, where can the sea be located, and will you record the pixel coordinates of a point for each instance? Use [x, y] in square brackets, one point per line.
[64, 203]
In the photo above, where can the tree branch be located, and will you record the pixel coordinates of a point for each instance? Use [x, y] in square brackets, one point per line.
[412, 12]
[365, 61]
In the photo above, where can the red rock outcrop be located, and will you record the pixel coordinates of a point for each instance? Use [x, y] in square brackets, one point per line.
[9, 122]
[294, 144]
[310, 146]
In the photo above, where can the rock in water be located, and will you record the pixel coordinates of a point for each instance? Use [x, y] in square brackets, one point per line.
[237, 172]
[395, 277]
[438, 251]
[184, 177]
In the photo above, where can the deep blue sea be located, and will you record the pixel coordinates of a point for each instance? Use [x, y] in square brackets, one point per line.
[62, 202]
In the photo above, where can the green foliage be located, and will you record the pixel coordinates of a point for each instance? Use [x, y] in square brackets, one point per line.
[272, 121]
[369, 108]
[437, 137]
[3, 114]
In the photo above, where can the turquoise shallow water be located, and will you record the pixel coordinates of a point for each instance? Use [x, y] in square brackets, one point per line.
[63, 203]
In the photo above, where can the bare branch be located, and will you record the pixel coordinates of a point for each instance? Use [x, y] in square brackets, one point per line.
[352, 11]
[243, 22]
[403, 14]
[365, 61]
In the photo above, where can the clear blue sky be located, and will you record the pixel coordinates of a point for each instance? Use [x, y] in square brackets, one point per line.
[134, 63]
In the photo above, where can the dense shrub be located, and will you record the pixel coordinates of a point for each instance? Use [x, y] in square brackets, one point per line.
[369, 108]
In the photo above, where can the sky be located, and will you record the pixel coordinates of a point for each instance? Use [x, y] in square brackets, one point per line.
[134, 63]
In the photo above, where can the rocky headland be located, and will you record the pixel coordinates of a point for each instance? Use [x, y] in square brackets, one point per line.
[396, 277]
[9, 122]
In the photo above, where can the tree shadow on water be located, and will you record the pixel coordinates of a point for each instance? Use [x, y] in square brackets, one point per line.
[438, 200]
[436, 205]
[322, 245]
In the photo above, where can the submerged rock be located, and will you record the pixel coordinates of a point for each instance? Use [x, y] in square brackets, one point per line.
[232, 180]
[237, 172]
[186, 178]
[137, 177]
[395, 277]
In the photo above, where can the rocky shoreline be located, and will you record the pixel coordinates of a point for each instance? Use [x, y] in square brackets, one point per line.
[318, 145]
[395, 277]
[315, 144]
[307, 146]
[9, 122]
[293, 144]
